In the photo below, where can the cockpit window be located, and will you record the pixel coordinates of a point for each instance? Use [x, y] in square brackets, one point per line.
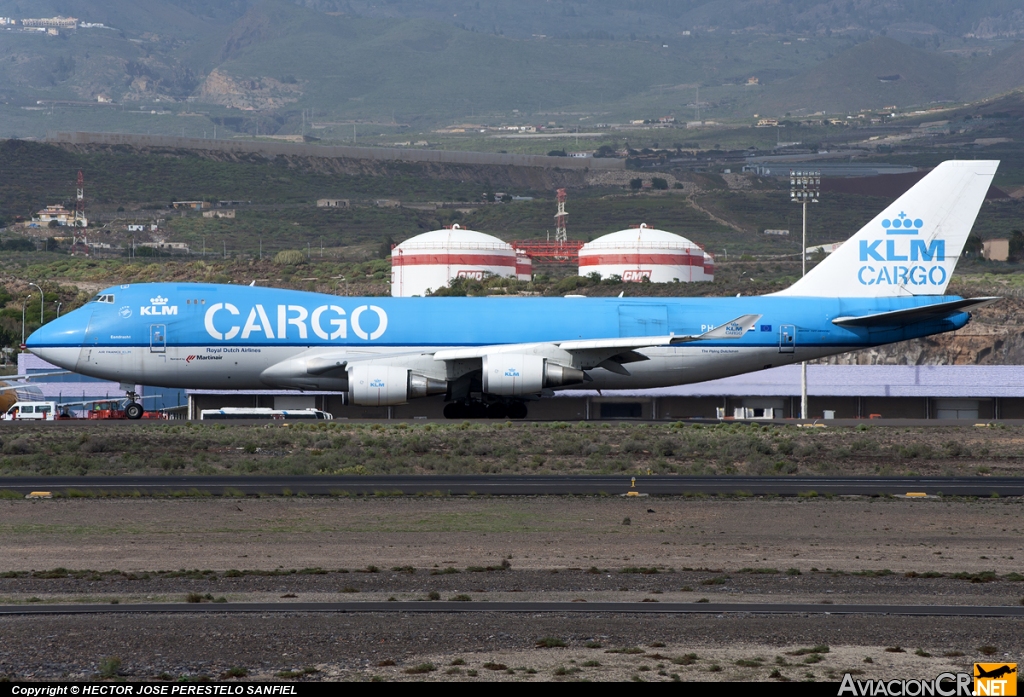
[103, 298]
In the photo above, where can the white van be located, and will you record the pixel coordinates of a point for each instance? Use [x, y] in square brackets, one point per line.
[31, 410]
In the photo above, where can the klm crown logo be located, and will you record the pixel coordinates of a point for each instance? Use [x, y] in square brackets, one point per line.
[902, 224]
[158, 306]
[922, 259]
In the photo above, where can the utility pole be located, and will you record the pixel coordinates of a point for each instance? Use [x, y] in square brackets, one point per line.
[804, 187]
[24, 304]
[41, 297]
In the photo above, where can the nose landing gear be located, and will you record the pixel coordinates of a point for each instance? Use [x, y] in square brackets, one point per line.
[134, 410]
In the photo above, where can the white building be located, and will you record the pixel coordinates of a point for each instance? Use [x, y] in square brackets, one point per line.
[643, 253]
[429, 261]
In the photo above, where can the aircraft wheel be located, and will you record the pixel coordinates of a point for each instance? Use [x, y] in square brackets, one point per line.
[516, 410]
[133, 411]
[497, 411]
[476, 410]
[455, 410]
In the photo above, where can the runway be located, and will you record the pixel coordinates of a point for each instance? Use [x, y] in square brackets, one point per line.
[525, 607]
[516, 485]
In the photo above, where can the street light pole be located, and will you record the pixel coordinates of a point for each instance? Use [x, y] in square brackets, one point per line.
[24, 304]
[41, 298]
[58, 309]
[804, 187]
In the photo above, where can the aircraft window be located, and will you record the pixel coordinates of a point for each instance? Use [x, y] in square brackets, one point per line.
[107, 298]
[188, 301]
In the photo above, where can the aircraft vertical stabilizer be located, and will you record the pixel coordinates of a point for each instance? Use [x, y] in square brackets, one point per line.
[912, 247]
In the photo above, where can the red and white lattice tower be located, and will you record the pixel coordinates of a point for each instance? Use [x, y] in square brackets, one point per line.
[561, 236]
[79, 220]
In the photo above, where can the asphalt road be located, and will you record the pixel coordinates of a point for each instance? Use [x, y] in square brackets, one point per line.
[552, 607]
[517, 485]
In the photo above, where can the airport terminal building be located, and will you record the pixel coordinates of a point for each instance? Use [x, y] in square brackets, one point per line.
[836, 391]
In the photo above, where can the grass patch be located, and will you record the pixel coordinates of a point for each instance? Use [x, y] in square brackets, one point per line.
[420, 669]
[109, 667]
[550, 642]
[821, 648]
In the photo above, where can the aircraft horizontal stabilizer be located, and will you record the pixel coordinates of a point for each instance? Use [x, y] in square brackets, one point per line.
[913, 314]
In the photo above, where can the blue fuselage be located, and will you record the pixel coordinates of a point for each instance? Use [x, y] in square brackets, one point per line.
[223, 336]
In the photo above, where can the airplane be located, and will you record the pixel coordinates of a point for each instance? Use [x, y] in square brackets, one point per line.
[995, 672]
[490, 357]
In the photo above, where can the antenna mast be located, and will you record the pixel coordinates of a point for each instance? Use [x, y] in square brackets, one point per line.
[79, 220]
[561, 236]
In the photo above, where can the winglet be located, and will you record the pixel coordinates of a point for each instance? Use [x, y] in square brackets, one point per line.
[734, 329]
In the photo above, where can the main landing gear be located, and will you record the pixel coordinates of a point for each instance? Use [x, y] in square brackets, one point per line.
[475, 409]
[134, 410]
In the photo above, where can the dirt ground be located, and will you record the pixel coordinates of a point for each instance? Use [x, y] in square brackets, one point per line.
[845, 534]
[845, 550]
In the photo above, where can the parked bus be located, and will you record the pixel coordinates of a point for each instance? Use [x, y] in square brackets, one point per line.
[236, 413]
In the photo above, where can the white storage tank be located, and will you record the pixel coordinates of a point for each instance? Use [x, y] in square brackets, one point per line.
[709, 267]
[524, 266]
[429, 261]
[643, 253]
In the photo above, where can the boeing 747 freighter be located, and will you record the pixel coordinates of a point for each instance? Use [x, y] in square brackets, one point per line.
[491, 356]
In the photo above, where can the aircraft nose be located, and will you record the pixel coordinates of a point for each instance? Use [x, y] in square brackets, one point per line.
[59, 342]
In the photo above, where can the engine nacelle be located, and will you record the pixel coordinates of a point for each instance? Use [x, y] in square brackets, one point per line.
[384, 385]
[517, 374]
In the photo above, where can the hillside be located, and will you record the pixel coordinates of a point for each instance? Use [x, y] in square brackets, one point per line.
[278, 67]
[853, 80]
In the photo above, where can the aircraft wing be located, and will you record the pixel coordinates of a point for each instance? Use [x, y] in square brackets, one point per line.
[327, 369]
[22, 385]
[734, 329]
[913, 314]
[103, 399]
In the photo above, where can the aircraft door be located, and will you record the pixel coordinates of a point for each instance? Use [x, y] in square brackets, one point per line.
[157, 338]
[787, 338]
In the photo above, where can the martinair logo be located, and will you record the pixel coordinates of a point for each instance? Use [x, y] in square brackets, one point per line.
[158, 306]
[902, 244]
[995, 679]
[202, 357]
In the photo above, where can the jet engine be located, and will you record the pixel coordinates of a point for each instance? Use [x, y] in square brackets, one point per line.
[517, 374]
[384, 385]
